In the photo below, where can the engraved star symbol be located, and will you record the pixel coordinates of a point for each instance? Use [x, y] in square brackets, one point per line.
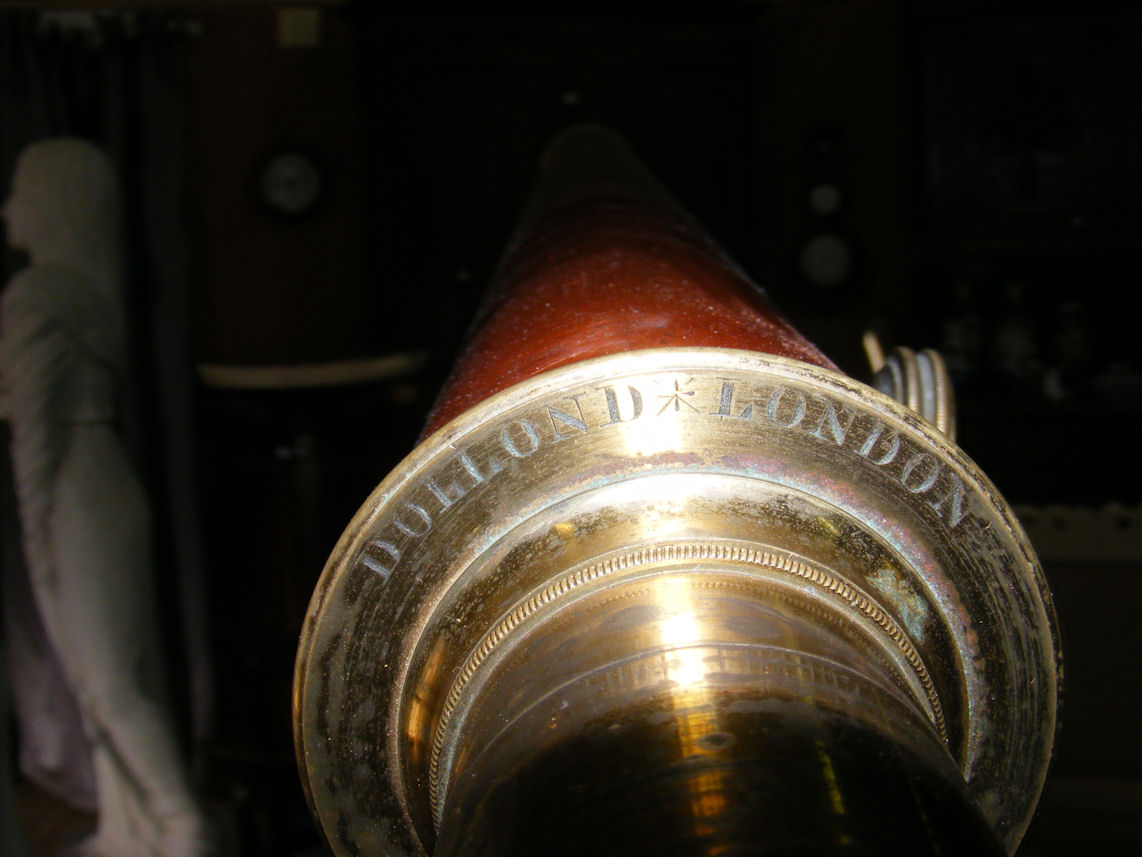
[676, 399]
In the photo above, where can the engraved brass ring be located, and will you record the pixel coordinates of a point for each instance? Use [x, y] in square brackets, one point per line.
[637, 522]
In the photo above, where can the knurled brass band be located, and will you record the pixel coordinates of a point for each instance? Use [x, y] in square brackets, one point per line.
[656, 557]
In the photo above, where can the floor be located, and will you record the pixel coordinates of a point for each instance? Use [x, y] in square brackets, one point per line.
[246, 825]
[48, 822]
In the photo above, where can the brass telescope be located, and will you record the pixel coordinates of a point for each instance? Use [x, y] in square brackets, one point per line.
[659, 579]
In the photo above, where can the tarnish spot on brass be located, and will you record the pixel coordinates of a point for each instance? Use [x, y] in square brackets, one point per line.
[376, 836]
[910, 605]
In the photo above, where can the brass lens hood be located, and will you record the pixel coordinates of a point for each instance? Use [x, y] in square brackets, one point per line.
[619, 528]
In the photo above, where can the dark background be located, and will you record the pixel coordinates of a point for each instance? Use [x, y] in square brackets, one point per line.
[987, 157]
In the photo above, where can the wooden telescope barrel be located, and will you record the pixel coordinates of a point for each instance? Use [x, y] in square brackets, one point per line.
[659, 580]
[605, 260]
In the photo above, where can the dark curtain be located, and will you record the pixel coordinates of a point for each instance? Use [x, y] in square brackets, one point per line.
[117, 79]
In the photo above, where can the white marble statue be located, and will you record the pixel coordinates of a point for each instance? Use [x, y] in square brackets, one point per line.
[83, 514]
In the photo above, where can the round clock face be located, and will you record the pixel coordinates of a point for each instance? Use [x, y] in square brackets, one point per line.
[825, 199]
[825, 259]
[290, 183]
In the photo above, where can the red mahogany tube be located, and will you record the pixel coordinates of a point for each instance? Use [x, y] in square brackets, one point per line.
[660, 580]
[604, 260]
